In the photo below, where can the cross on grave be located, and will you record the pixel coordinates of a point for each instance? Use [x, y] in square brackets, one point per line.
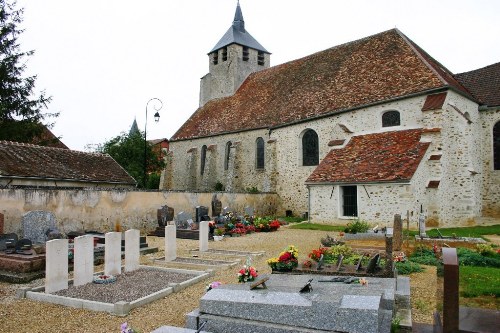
[339, 262]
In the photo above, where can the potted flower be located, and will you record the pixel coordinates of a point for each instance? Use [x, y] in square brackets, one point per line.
[246, 274]
[219, 234]
[287, 260]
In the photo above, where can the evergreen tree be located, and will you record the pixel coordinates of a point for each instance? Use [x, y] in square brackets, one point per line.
[21, 111]
[128, 151]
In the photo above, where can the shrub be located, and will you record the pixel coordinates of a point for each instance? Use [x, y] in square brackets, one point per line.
[337, 250]
[408, 267]
[486, 250]
[219, 186]
[468, 257]
[357, 226]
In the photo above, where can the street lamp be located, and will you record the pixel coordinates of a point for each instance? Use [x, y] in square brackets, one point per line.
[157, 119]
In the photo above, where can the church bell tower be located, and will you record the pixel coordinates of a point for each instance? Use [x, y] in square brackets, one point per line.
[231, 60]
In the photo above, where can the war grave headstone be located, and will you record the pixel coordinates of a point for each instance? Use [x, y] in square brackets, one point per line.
[36, 224]
[56, 271]
[132, 250]
[170, 243]
[203, 236]
[113, 253]
[83, 267]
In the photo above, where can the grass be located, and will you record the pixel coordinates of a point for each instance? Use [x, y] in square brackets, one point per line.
[292, 219]
[479, 281]
[315, 226]
[477, 231]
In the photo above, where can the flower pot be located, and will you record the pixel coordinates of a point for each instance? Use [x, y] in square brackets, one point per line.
[218, 238]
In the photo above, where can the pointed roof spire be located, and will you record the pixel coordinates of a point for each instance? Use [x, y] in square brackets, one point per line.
[134, 129]
[237, 34]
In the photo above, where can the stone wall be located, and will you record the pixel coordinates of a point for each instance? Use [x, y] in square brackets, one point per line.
[490, 177]
[102, 210]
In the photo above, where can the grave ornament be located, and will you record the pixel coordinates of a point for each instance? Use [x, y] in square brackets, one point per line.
[320, 262]
[307, 288]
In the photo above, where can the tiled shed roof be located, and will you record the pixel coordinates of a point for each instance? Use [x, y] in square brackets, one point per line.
[370, 70]
[380, 157]
[31, 161]
[483, 83]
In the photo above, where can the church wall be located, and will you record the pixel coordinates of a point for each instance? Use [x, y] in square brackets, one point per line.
[490, 177]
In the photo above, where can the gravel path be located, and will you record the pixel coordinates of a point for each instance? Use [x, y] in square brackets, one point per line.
[30, 316]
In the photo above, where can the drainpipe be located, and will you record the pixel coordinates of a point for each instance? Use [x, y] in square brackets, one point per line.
[309, 204]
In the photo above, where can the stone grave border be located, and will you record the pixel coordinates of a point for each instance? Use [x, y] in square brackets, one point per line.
[228, 252]
[121, 308]
[222, 264]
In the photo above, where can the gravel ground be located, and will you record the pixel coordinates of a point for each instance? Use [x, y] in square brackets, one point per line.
[29, 316]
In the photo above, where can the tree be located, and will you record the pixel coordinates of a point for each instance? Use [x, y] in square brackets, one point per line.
[128, 151]
[21, 111]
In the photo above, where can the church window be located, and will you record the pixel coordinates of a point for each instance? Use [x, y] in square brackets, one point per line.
[349, 201]
[203, 158]
[259, 154]
[496, 146]
[245, 53]
[224, 54]
[310, 148]
[260, 58]
[216, 57]
[227, 154]
[391, 118]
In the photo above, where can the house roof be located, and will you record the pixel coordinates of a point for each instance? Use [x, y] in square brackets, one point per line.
[39, 162]
[483, 84]
[371, 70]
[237, 34]
[380, 157]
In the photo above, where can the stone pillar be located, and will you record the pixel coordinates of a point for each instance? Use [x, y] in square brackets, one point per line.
[170, 242]
[56, 265]
[166, 178]
[132, 247]
[450, 291]
[83, 260]
[398, 233]
[388, 254]
[203, 236]
[113, 253]
[1, 223]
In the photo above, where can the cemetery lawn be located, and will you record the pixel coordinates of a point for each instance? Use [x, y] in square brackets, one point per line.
[480, 286]
[316, 226]
[477, 231]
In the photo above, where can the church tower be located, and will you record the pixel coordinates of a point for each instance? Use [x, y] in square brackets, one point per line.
[232, 59]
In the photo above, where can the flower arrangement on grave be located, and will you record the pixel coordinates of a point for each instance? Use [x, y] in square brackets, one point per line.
[124, 328]
[247, 273]
[307, 264]
[249, 228]
[219, 231]
[104, 279]
[399, 257]
[238, 231]
[213, 285]
[287, 260]
[316, 254]
[274, 225]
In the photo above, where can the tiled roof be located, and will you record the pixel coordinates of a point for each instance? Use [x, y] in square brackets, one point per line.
[370, 70]
[434, 102]
[31, 161]
[483, 83]
[380, 157]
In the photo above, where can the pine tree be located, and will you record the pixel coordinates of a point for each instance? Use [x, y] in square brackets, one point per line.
[21, 111]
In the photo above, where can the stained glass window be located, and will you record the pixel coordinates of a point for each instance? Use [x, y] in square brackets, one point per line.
[310, 148]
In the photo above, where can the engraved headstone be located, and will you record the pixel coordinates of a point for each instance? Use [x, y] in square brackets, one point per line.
[170, 243]
[216, 206]
[181, 220]
[201, 213]
[164, 215]
[372, 264]
[56, 265]
[36, 223]
[7, 238]
[112, 253]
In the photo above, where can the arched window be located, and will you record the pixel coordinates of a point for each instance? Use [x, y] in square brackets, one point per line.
[496, 146]
[227, 154]
[203, 158]
[259, 154]
[391, 118]
[310, 148]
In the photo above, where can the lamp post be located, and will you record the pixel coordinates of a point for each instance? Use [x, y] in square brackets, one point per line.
[157, 119]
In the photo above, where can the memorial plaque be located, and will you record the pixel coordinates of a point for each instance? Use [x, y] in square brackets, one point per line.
[164, 215]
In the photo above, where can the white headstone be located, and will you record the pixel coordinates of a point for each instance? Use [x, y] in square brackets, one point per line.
[56, 265]
[132, 247]
[170, 242]
[203, 236]
[83, 260]
[113, 253]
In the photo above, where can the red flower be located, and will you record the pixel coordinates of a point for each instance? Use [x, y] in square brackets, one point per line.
[285, 257]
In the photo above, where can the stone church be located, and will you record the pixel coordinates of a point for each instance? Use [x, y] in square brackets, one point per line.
[366, 129]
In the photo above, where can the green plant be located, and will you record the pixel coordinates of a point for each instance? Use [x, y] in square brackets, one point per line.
[395, 324]
[468, 257]
[485, 250]
[219, 186]
[316, 226]
[357, 226]
[219, 231]
[252, 189]
[408, 267]
[479, 281]
[421, 305]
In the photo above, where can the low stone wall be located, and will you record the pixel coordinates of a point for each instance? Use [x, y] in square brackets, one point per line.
[107, 210]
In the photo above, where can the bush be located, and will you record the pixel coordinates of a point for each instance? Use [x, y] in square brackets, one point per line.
[486, 250]
[426, 260]
[468, 257]
[357, 226]
[219, 187]
[408, 267]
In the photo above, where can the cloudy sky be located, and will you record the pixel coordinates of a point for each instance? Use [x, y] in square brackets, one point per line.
[103, 60]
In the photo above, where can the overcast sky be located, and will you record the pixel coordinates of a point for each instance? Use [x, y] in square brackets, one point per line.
[102, 60]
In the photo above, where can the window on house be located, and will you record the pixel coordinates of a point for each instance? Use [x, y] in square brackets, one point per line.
[349, 201]
[259, 154]
[227, 154]
[224, 54]
[310, 148]
[245, 53]
[216, 57]
[391, 118]
[260, 58]
[203, 158]
[496, 146]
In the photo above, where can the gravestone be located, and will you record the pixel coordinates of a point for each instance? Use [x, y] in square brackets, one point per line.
[112, 253]
[83, 260]
[421, 225]
[202, 214]
[164, 215]
[56, 265]
[249, 211]
[397, 233]
[450, 291]
[358, 265]
[170, 243]
[373, 264]
[7, 238]
[216, 206]
[36, 223]
[320, 262]
[132, 250]
[181, 221]
[339, 262]
[203, 236]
